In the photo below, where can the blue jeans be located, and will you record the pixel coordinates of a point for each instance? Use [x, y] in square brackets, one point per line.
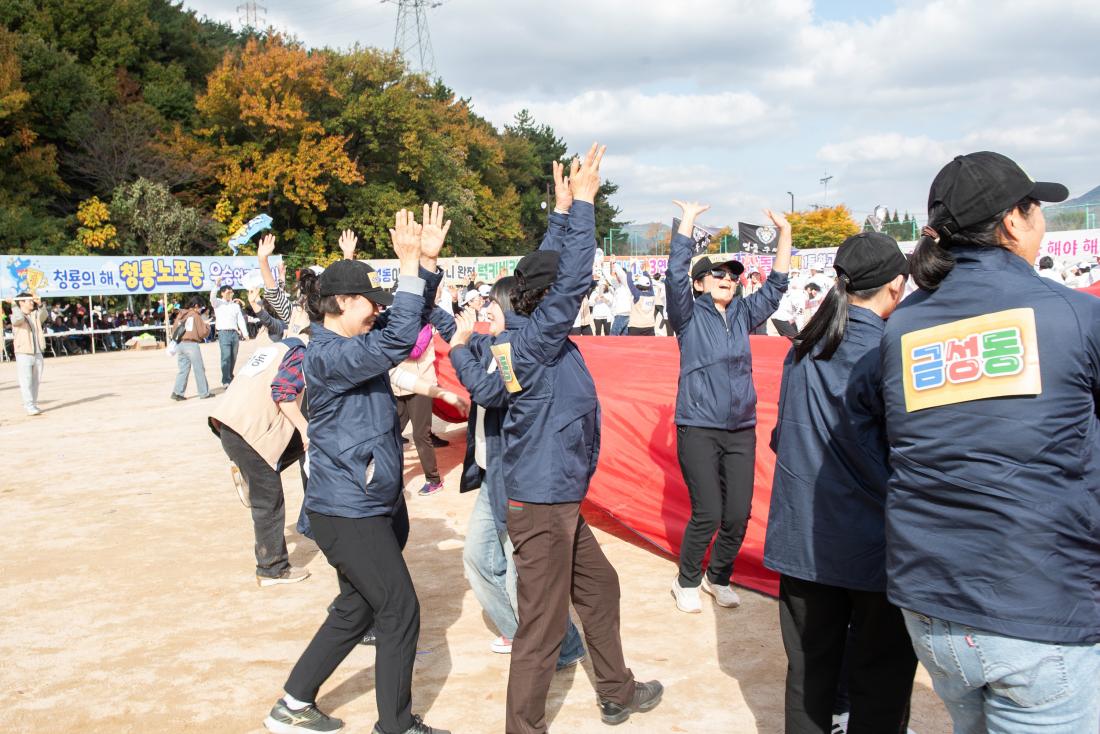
[189, 357]
[1004, 685]
[487, 556]
[618, 325]
[228, 341]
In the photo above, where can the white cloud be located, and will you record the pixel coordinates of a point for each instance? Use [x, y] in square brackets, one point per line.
[883, 147]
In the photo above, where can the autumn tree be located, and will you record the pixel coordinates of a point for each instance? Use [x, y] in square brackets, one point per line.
[825, 227]
[151, 221]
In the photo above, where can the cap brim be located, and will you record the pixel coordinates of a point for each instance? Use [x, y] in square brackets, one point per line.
[1051, 192]
[380, 297]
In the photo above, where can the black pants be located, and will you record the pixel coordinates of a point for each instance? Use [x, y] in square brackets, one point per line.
[602, 327]
[375, 590]
[639, 331]
[814, 619]
[265, 494]
[418, 410]
[718, 467]
[581, 331]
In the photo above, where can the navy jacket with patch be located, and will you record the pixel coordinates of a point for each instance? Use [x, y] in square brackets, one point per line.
[551, 431]
[355, 453]
[993, 509]
[715, 388]
[832, 464]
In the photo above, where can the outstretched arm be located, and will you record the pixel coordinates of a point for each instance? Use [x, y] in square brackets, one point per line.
[559, 218]
[678, 298]
[765, 301]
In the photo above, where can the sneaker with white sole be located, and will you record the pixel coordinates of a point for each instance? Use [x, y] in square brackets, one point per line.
[724, 596]
[285, 720]
[501, 645]
[289, 576]
[840, 724]
[240, 484]
[687, 599]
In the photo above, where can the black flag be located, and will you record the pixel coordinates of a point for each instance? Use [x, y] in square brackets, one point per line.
[701, 235]
[758, 238]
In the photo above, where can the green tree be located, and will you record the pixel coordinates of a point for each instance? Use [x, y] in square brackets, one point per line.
[151, 221]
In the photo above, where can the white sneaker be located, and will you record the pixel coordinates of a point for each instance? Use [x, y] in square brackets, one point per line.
[724, 596]
[687, 600]
[290, 576]
[501, 645]
[840, 724]
[34, 411]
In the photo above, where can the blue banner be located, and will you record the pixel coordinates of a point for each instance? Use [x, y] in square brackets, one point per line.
[55, 277]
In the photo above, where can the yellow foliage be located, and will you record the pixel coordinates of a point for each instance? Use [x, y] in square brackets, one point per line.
[825, 227]
[96, 231]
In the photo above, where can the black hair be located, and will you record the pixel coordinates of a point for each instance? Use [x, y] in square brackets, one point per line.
[1046, 262]
[195, 302]
[502, 292]
[932, 259]
[316, 305]
[827, 326]
[525, 302]
[308, 281]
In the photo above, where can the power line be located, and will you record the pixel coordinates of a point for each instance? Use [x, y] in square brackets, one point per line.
[411, 36]
[252, 14]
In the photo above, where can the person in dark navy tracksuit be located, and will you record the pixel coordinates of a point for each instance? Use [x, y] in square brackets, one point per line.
[992, 393]
[354, 498]
[550, 441]
[716, 404]
[827, 526]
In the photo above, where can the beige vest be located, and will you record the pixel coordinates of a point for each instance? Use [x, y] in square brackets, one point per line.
[247, 407]
[641, 313]
[27, 332]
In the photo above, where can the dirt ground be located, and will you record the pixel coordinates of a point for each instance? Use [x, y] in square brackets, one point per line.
[129, 602]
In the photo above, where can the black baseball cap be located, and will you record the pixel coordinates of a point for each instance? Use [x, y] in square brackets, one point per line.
[537, 270]
[870, 259]
[354, 277]
[978, 186]
[705, 264]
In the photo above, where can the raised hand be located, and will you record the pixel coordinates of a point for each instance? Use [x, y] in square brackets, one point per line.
[464, 327]
[254, 298]
[691, 210]
[405, 237]
[782, 262]
[434, 231]
[347, 243]
[563, 197]
[584, 176]
[266, 246]
[778, 220]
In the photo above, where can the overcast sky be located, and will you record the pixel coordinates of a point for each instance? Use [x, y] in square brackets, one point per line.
[737, 102]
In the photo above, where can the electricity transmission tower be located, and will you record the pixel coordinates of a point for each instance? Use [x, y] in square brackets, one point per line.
[252, 14]
[411, 37]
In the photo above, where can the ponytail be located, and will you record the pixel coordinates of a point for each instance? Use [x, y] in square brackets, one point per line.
[827, 326]
[826, 329]
[309, 295]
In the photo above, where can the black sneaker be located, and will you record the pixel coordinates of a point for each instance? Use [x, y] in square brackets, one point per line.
[438, 442]
[418, 727]
[177, 396]
[646, 697]
[284, 720]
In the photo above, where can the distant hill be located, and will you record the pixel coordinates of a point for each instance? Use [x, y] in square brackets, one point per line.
[1092, 197]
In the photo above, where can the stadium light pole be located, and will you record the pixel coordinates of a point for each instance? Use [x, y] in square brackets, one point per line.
[792, 201]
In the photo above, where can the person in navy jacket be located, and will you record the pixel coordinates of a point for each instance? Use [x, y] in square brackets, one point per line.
[716, 404]
[354, 499]
[550, 441]
[991, 384]
[827, 526]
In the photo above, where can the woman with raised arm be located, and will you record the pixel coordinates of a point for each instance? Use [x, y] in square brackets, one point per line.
[550, 442]
[716, 403]
[354, 499]
[827, 525]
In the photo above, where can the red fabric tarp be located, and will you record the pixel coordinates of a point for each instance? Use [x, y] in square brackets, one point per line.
[638, 482]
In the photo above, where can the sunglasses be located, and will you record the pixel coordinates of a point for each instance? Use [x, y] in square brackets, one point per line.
[720, 274]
